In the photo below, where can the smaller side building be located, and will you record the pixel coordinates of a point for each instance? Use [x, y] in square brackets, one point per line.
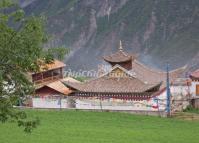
[195, 83]
[50, 92]
[194, 76]
[53, 95]
[47, 73]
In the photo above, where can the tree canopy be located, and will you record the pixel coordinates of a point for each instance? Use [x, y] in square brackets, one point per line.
[21, 45]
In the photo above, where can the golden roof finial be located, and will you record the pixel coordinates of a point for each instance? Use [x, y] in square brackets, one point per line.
[121, 48]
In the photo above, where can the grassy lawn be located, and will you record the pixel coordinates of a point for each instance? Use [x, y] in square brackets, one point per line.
[97, 127]
[192, 110]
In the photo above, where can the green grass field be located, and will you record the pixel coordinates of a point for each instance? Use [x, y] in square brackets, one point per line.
[101, 127]
[192, 110]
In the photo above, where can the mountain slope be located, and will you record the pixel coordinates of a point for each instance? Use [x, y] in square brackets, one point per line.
[159, 31]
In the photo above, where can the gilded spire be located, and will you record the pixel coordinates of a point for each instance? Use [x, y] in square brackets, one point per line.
[121, 48]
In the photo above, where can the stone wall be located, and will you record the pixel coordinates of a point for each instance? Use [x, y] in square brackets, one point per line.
[195, 102]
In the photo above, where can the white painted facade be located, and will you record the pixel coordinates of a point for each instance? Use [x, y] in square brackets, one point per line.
[49, 103]
[193, 88]
[180, 90]
[157, 103]
[154, 104]
[179, 97]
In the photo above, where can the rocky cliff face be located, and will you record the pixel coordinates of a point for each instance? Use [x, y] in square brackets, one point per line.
[159, 31]
[25, 3]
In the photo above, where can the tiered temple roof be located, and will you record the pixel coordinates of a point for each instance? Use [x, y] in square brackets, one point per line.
[128, 78]
[118, 80]
[150, 75]
[142, 72]
[119, 56]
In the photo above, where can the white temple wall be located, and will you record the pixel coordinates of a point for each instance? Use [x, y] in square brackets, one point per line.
[153, 104]
[180, 90]
[49, 103]
[193, 88]
[180, 97]
[157, 103]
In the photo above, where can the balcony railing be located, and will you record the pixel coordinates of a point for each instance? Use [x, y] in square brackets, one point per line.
[48, 79]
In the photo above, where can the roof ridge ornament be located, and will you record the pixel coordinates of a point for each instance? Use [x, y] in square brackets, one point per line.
[121, 48]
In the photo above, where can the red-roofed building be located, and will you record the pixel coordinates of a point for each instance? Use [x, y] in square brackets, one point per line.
[53, 94]
[195, 83]
[48, 73]
[49, 87]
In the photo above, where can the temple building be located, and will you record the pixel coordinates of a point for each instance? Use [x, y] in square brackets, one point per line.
[194, 76]
[129, 85]
[47, 73]
[121, 58]
[118, 83]
[141, 71]
[49, 87]
[195, 83]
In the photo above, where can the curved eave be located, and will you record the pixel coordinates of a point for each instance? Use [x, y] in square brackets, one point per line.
[155, 87]
[130, 93]
[178, 70]
[71, 85]
[194, 78]
[107, 59]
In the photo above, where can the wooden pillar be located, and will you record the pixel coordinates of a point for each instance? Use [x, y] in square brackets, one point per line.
[61, 72]
[52, 75]
[42, 77]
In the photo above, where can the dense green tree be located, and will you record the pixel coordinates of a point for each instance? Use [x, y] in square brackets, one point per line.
[21, 45]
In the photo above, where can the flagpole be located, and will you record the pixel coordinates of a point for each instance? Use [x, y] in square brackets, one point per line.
[168, 108]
